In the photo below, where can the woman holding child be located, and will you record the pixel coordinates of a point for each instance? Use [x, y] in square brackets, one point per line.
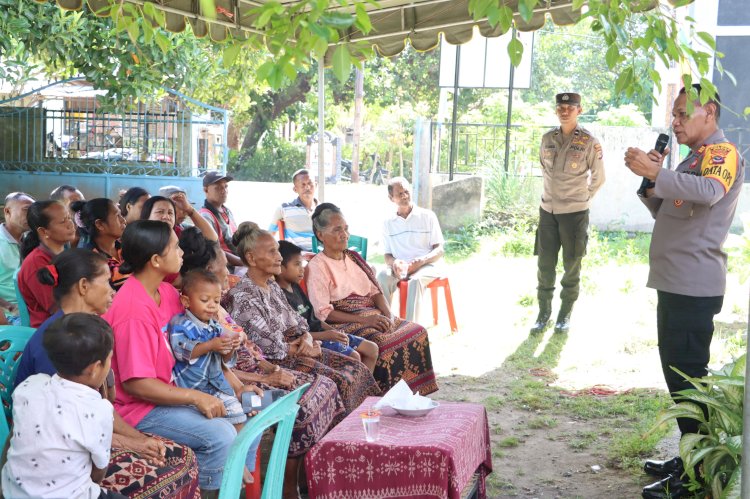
[140, 466]
[147, 397]
[344, 292]
[258, 305]
[320, 406]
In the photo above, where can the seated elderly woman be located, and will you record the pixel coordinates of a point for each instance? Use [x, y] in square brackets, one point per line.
[344, 291]
[321, 407]
[258, 305]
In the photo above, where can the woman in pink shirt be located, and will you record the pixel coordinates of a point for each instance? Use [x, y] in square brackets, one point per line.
[50, 229]
[143, 361]
[344, 291]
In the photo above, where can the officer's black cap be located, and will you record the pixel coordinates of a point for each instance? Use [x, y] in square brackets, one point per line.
[568, 98]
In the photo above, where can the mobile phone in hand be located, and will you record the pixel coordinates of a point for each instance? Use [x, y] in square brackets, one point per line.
[252, 402]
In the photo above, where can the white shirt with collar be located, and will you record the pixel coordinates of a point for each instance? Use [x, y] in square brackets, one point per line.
[60, 429]
[411, 237]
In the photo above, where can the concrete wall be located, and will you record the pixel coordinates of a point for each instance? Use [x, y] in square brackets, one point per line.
[458, 203]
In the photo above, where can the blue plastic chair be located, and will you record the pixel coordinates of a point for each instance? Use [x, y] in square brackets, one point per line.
[22, 308]
[13, 340]
[283, 412]
[355, 243]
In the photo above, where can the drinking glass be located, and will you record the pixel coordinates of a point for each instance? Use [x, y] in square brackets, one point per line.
[371, 422]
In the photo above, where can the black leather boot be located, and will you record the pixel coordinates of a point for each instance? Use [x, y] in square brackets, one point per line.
[542, 320]
[562, 325]
[664, 468]
[669, 487]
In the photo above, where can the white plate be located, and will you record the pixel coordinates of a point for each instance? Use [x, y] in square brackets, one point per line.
[415, 412]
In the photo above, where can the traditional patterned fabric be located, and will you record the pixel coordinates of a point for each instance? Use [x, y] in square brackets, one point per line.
[431, 456]
[404, 349]
[321, 407]
[136, 478]
[113, 262]
[353, 379]
[271, 323]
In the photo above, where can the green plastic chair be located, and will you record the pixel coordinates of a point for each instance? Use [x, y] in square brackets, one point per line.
[13, 340]
[22, 309]
[283, 412]
[355, 243]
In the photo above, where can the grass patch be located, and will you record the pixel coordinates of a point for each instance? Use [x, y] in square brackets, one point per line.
[509, 442]
[620, 247]
[540, 422]
[629, 448]
[493, 403]
[527, 301]
[583, 440]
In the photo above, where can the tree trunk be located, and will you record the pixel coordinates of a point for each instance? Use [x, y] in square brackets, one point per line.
[359, 81]
[269, 107]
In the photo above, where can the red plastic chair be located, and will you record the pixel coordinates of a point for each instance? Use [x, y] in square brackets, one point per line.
[440, 282]
[254, 490]
[281, 225]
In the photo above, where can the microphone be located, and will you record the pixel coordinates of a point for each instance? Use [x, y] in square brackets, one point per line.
[661, 144]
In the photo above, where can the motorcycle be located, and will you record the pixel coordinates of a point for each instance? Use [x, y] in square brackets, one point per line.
[376, 174]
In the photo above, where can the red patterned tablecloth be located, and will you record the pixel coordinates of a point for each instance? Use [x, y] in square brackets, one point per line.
[431, 456]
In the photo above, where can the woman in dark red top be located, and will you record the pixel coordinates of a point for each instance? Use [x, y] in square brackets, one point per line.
[50, 229]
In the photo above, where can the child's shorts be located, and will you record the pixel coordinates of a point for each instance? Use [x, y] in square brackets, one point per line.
[354, 342]
[233, 407]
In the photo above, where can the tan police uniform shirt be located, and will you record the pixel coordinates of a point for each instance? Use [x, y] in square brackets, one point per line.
[573, 170]
[694, 205]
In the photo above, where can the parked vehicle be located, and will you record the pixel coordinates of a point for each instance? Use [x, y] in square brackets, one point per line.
[376, 174]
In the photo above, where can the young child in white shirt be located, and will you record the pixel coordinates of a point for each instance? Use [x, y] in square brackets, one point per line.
[62, 427]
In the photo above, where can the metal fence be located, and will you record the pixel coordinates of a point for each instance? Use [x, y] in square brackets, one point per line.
[480, 147]
[62, 127]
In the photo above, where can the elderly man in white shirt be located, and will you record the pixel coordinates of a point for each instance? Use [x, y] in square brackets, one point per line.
[413, 245]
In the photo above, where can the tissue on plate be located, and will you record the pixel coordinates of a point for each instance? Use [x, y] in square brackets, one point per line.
[401, 397]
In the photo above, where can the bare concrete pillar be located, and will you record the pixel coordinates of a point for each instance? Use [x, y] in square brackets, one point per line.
[421, 184]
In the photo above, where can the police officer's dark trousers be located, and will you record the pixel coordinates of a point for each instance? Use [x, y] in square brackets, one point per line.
[685, 326]
[569, 231]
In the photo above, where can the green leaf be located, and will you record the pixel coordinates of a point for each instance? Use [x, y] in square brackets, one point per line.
[526, 9]
[363, 19]
[342, 62]
[208, 8]
[230, 54]
[506, 18]
[707, 39]
[493, 15]
[624, 80]
[613, 56]
[337, 20]
[515, 51]
[577, 4]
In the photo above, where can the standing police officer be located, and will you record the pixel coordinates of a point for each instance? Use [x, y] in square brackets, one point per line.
[693, 206]
[573, 171]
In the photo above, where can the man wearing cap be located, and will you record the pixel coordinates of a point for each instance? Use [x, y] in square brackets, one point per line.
[693, 207]
[216, 187]
[573, 171]
[297, 214]
[183, 209]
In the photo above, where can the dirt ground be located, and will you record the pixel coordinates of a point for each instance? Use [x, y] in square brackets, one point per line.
[542, 448]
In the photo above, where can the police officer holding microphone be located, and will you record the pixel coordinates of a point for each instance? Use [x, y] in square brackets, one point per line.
[693, 206]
